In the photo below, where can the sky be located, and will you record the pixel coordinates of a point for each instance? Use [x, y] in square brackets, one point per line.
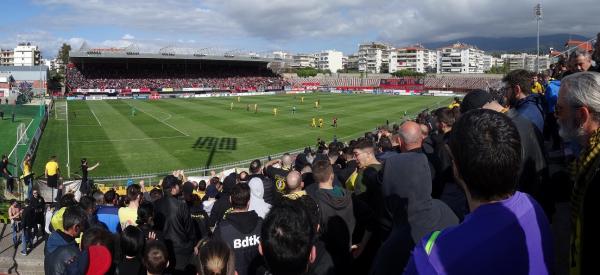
[296, 26]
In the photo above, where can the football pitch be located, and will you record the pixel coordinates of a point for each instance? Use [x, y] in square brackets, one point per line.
[152, 136]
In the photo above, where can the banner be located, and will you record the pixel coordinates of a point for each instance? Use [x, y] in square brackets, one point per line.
[167, 89]
[198, 89]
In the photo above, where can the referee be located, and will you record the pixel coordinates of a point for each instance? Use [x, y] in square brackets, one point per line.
[52, 174]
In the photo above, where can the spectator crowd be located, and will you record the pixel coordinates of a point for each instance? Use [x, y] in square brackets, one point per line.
[155, 77]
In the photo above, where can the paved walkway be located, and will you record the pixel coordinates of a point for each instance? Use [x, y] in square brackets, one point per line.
[11, 260]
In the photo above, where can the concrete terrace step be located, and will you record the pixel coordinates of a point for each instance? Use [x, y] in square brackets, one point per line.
[11, 260]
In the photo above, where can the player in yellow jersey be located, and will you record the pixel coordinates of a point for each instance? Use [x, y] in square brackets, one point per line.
[302, 99]
[275, 111]
[255, 108]
[320, 122]
[238, 99]
[316, 104]
[314, 123]
[231, 106]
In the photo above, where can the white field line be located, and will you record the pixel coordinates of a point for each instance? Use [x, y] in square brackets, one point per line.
[17, 143]
[58, 108]
[68, 147]
[130, 139]
[161, 121]
[96, 117]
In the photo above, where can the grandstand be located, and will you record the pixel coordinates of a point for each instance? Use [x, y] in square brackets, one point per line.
[123, 71]
[456, 83]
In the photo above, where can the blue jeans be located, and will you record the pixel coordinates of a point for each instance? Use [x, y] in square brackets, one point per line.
[26, 239]
[15, 233]
[29, 182]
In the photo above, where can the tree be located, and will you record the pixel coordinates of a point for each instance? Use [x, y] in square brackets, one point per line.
[55, 81]
[403, 73]
[306, 72]
[63, 56]
[498, 69]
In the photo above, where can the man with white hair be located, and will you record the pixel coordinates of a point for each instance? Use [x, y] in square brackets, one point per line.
[578, 115]
[411, 137]
[580, 61]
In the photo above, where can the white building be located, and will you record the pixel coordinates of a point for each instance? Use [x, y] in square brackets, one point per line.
[376, 57]
[460, 58]
[27, 55]
[525, 61]
[304, 60]
[416, 58]
[330, 60]
[52, 64]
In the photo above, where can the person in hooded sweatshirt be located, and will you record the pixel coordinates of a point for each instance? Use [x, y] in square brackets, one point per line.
[240, 229]
[222, 204]
[337, 215]
[257, 203]
[406, 190]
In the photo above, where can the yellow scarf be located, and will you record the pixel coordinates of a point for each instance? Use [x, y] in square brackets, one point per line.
[579, 170]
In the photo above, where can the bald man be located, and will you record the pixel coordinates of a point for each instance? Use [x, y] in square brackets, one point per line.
[294, 185]
[411, 141]
[411, 137]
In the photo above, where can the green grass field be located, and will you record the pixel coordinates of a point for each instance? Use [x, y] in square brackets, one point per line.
[28, 115]
[193, 133]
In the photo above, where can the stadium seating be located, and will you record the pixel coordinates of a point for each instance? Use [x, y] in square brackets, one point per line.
[108, 76]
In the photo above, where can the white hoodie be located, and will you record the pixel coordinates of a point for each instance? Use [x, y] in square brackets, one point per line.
[257, 203]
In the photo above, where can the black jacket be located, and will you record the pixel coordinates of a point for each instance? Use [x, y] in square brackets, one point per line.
[241, 231]
[323, 264]
[174, 220]
[28, 220]
[271, 195]
[337, 224]
[533, 167]
[407, 198]
[218, 210]
[56, 262]
[39, 206]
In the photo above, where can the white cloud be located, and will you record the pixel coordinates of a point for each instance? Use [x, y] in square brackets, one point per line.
[310, 23]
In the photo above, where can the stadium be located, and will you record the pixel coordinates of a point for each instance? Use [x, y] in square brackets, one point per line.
[368, 170]
[187, 102]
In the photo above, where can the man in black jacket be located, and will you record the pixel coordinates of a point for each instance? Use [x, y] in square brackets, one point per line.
[175, 221]
[38, 204]
[337, 215]
[61, 248]
[240, 229]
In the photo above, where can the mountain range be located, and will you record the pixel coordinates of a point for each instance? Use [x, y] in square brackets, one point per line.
[512, 44]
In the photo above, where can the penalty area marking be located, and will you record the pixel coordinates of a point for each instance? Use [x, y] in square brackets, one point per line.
[129, 139]
[161, 121]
